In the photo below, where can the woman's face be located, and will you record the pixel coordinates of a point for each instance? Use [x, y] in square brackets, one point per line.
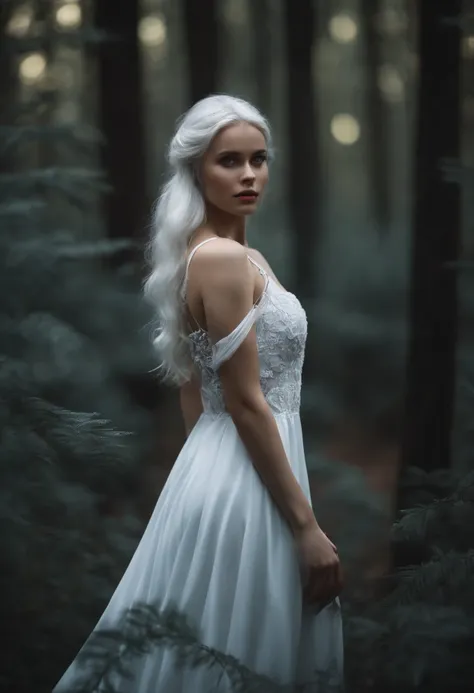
[234, 170]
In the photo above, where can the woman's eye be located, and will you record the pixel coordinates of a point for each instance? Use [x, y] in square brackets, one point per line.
[260, 159]
[228, 161]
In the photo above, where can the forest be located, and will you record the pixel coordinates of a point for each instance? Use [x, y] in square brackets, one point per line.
[369, 220]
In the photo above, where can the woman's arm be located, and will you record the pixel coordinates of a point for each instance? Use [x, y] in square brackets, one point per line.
[227, 287]
[191, 403]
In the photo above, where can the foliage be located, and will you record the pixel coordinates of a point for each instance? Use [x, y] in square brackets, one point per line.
[72, 341]
[419, 636]
[141, 629]
[358, 334]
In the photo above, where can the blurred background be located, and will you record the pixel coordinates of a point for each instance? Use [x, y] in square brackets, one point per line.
[368, 219]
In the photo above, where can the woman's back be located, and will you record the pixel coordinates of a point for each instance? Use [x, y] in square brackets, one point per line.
[281, 328]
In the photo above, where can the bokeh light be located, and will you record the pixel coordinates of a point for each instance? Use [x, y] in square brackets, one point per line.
[468, 46]
[20, 22]
[152, 31]
[69, 16]
[343, 28]
[345, 128]
[236, 12]
[468, 107]
[32, 68]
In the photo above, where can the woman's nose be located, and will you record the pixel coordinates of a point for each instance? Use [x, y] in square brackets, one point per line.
[248, 173]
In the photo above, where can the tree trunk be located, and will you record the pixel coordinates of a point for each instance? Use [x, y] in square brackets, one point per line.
[302, 142]
[8, 79]
[436, 237]
[262, 46]
[121, 117]
[202, 47]
[376, 119]
[45, 153]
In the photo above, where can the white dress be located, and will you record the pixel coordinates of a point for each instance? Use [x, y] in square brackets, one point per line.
[218, 549]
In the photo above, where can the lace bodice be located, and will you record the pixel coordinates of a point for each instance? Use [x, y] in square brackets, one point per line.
[281, 327]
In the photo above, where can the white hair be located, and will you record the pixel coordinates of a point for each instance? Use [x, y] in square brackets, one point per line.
[179, 211]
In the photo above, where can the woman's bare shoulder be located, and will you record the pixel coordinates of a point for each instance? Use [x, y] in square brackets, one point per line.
[221, 263]
[220, 249]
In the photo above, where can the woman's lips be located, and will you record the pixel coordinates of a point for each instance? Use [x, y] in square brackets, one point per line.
[247, 199]
[247, 196]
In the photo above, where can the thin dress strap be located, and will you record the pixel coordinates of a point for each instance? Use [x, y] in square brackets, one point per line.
[228, 345]
[190, 257]
[245, 325]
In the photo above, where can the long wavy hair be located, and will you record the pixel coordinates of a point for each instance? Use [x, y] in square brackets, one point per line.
[179, 211]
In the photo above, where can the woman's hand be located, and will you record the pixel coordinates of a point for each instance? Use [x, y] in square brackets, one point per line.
[320, 566]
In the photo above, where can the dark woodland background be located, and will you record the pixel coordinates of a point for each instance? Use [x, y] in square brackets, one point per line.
[369, 219]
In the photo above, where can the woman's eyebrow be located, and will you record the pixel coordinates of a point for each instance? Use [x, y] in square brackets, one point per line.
[227, 152]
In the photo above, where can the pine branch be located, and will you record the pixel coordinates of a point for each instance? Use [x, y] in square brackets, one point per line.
[83, 433]
[145, 627]
[65, 436]
[444, 523]
[80, 185]
[426, 646]
[438, 483]
[445, 580]
[19, 135]
[60, 247]
[21, 209]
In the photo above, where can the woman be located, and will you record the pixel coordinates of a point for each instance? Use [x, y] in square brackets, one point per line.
[233, 542]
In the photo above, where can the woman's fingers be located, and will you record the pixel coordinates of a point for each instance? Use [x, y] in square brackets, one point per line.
[324, 586]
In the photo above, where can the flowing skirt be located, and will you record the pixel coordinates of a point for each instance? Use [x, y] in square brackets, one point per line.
[217, 549]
